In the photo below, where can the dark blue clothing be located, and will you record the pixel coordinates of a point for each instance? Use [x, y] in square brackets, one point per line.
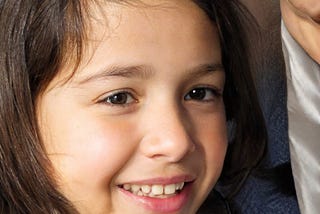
[214, 204]
[266, 195]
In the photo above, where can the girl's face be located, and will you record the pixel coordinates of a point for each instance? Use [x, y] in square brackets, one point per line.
[140, 127]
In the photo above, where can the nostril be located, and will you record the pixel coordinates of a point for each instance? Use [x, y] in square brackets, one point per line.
[192, 147]
[316, 19]
[169, 147]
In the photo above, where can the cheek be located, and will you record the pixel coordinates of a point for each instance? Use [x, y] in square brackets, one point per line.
[89, 150]
[212, 137]
[214, 143]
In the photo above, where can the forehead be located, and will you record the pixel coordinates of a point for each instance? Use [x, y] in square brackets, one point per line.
[136, 18]
[149, 23]
[134, 33]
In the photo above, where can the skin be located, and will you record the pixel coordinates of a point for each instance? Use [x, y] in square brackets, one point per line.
[158, 133]
[302, 18]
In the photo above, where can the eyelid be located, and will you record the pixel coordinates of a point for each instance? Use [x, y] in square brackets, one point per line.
[217, 90]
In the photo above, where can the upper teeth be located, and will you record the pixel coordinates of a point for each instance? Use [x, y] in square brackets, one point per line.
[153, 190]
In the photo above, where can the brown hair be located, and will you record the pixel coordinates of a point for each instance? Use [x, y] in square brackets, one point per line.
[248, 136]
[33, 42]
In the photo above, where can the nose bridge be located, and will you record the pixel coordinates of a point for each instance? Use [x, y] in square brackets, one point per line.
[168, 133]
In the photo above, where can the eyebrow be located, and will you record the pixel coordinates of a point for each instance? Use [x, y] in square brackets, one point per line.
[204, 69]
[146, 72]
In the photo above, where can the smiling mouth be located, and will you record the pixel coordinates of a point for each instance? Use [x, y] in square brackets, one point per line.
[154, 190]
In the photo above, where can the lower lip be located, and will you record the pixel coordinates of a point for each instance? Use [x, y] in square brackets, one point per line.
[161, 205]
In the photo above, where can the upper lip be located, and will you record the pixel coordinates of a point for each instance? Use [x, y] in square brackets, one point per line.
[163, 180]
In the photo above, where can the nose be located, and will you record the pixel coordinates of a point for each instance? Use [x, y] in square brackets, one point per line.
[167, 134]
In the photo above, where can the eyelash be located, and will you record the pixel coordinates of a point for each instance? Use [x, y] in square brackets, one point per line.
[125, 95]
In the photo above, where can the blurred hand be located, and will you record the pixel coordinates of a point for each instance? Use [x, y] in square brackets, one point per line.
[302, 19]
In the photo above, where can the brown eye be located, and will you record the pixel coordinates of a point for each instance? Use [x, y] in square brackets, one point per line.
[197, 94]
[202, 94]
[119, 98]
